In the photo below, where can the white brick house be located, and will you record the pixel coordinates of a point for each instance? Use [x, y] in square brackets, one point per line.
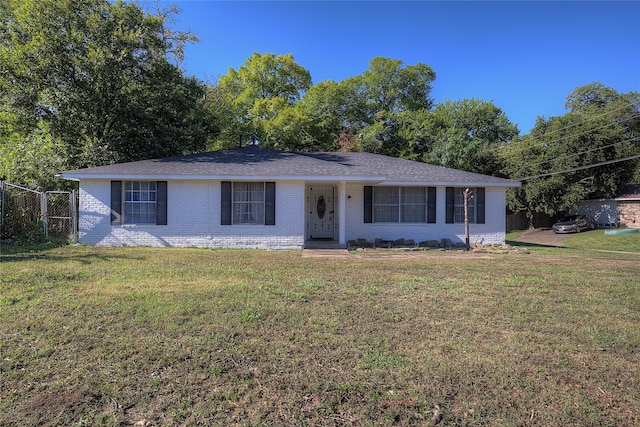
[254, 197]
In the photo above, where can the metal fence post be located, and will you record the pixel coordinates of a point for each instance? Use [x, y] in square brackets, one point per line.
[3, 188]
[74, 216]
[43, 211]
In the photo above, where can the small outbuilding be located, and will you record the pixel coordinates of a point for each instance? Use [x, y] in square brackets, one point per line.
[254, 197]
[620, 211]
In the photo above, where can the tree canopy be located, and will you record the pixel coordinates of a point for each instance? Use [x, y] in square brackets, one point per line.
[464, 134]
[260, 92]
[274, 102]
[388, 109]
[91, 82]
[576, 156]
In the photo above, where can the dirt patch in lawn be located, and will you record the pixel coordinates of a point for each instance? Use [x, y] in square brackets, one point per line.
[46, 408]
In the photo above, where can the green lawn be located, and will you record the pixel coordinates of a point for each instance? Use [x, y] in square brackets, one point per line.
[587, 241]
[118, 336]
[599, 241]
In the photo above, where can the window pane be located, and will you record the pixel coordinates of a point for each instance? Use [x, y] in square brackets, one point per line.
[140, 206]
[386, 204]
[385, 214]
[413, 213]
[458, 215]
[248, 203]
[257, 191]
[414, 195]
[385, 195]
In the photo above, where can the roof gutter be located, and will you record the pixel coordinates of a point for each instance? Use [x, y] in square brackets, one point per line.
[323, 178]
[133, 177]
[505, 183]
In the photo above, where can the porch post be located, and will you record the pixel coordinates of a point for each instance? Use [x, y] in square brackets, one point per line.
[342, 213]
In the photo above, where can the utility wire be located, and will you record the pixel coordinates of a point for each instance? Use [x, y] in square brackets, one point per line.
[608, 162]
[584, 152]
[574, 135]
[564, 129]
[590, 118]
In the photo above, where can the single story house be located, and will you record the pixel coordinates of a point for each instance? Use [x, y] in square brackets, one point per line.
[620, 211]
[254, 197]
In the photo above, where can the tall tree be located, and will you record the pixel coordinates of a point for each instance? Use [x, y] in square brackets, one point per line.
[576, 156]
[257, 92]
[464, 134]
[323, 108]
[376, 99]
[98, 77]
[272, 100]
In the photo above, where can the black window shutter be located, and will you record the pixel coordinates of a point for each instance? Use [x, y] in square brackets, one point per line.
[225, 205]
[431, 205]
[450, 200]
[161, 203]
[270, 203]
[116, 203]
[479, 195]
[368, 204]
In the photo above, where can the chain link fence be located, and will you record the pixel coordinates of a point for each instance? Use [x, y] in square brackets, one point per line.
[31, 215]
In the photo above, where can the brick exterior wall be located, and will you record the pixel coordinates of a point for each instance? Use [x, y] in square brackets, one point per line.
[492, 232]
[629, 213]
[194, 219]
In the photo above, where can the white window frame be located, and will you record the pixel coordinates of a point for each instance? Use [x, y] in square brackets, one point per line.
[139, 202]
[246, 209]
[397, 207]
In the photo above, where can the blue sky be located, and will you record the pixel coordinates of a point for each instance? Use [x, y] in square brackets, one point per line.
[526, 57]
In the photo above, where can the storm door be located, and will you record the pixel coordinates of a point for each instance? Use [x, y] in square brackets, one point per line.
[321, 212]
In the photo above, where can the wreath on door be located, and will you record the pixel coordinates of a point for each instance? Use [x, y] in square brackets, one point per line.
[321, 207]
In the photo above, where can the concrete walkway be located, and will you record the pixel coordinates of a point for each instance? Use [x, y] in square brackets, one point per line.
[325, 253]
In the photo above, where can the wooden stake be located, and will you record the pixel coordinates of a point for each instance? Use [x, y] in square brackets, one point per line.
[468, 195]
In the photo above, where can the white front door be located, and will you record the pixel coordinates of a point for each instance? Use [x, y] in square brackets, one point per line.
[321, 212]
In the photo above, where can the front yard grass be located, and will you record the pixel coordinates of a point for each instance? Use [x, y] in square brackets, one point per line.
[119, 336]
[596, 239]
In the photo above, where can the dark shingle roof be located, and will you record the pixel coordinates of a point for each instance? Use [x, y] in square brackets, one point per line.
[254, 162]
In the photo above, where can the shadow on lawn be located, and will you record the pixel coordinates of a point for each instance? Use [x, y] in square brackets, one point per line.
[15, 252]
[532, 245]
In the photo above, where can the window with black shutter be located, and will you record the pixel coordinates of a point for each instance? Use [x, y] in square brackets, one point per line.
[399, 204]
[248, 203]
[455, 205]
[139, 202]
